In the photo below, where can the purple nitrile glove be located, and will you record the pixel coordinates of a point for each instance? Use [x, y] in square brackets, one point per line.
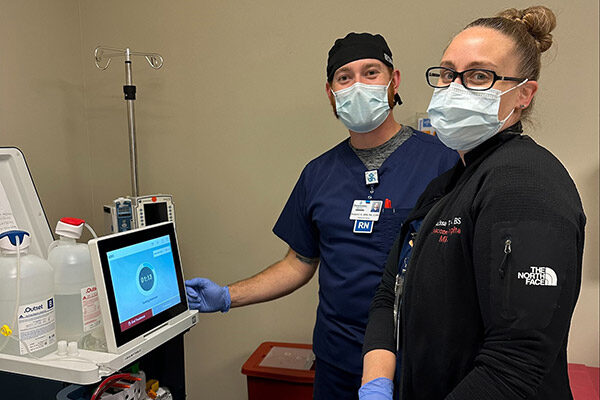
[377, 389]
[206, 296]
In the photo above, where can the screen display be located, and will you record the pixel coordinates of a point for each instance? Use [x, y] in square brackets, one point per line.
[144, 280]
[155, 213]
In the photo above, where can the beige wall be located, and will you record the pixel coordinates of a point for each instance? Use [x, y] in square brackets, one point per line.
[236, 112]
[41, 101]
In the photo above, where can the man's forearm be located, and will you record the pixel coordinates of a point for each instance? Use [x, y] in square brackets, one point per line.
[277, 280]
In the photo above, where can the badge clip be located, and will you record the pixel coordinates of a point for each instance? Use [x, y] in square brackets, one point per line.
[371, 177]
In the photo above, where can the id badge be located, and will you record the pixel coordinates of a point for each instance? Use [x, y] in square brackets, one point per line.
[366, 210]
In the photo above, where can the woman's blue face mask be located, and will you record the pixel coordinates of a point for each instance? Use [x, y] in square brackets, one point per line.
[463, 118]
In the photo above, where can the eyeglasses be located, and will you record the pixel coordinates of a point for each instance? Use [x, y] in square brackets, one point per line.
[472, 79]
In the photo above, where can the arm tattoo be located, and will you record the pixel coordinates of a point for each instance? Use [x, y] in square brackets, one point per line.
[307, 260]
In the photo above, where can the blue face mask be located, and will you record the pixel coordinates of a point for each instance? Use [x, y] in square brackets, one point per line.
[463, 118]
[362, 107]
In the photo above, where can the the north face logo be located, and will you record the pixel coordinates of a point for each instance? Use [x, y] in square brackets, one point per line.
[539, 276]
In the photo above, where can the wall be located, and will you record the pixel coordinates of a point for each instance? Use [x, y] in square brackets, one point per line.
[239, 108]
[41, 106]
[230, 120]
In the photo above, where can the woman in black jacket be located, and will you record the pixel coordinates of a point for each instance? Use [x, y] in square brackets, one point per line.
[480, 287]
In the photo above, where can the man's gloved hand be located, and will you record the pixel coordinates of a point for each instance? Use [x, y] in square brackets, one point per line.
[206, 296]
[377, 389]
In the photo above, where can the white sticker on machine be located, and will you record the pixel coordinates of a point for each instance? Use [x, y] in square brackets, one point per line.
[90, 305]
[37, 326]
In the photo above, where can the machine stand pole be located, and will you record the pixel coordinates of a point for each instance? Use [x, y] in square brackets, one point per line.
[129, 91]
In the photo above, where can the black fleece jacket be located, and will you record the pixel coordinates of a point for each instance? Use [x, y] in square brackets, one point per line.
[492, 281]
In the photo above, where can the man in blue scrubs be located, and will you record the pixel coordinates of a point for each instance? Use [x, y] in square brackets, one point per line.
[344, 213]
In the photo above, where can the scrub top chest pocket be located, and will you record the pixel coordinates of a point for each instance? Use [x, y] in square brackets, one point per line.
[392, 218]
[389, 224]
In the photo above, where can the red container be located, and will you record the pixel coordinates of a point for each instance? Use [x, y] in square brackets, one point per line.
[288, 381]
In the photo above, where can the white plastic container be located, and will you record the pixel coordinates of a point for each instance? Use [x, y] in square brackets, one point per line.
[78, 315]
[32, 284]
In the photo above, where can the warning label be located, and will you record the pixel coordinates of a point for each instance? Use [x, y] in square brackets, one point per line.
[90, 305]
[37, 325]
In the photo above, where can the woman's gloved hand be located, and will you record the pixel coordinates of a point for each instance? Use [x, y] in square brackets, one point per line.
[377, 389]
[206, 296]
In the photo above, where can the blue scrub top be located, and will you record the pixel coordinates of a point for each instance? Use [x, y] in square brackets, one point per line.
[315, 223]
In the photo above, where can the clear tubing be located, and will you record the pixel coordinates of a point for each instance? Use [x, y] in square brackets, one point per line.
[91, 230]
[18, 295]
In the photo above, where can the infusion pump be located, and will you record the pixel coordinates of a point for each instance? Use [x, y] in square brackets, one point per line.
[126, 213]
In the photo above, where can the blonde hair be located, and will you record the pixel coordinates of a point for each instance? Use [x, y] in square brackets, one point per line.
[530, 31]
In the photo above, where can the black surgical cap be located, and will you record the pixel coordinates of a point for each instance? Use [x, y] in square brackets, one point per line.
[357, 46]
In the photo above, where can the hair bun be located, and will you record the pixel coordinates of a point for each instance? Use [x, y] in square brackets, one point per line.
[539, 22]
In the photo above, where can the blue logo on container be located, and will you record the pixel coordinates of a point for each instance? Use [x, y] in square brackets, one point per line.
[50, 303]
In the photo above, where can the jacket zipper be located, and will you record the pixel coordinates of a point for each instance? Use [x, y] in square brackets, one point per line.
[504, 272]
[398, 288]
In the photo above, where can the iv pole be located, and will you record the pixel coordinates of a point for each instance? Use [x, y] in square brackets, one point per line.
[156, 61]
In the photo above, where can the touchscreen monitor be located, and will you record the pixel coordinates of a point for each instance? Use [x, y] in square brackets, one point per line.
[141, 278]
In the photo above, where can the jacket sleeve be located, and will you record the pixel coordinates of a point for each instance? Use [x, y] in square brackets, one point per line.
[527, 253]
[380, 328]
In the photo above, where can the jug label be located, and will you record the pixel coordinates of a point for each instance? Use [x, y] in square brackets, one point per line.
[37, 326]
[90, 305]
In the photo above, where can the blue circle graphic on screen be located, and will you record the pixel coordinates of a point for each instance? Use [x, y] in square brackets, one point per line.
[146, 278]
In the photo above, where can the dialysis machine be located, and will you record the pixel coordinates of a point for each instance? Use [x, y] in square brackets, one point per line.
[144, 325]
[137, 270]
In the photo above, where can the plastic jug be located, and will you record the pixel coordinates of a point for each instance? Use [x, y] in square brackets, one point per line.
[26, 298]
[78, 316]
